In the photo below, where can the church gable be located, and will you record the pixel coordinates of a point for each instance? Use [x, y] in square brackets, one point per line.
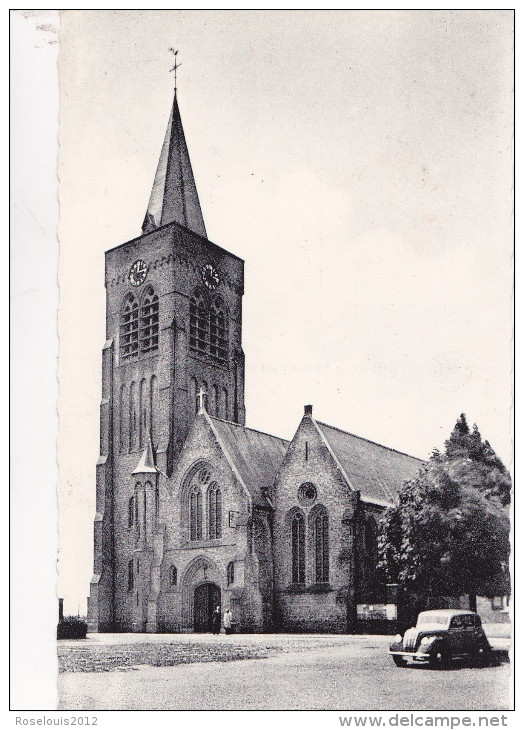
[309, 459]
[202, 460]
[312, 500]
[216, 527]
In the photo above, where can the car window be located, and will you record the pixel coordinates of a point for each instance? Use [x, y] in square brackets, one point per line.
[432, 618]
[456, 622]
[469, 621]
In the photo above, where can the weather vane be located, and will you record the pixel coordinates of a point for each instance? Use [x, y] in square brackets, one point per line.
[177, 65]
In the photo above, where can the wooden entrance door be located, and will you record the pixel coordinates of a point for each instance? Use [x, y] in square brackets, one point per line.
[207, 598]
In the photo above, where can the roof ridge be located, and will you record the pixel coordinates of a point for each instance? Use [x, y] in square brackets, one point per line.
[248, 428]
[369, 441]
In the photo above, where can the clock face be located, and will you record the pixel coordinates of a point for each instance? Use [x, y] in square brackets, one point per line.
[138, 273]
[210, 276]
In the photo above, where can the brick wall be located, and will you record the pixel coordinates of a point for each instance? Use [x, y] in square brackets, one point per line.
[310, 607]
[174, 256]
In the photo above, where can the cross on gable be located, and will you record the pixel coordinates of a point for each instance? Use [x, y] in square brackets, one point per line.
[201, 397]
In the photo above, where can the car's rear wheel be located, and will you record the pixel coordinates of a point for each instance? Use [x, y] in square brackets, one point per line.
[483, 656]
[400, 661]
[439, 658]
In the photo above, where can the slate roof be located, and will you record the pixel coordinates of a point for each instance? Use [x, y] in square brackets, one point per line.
[257, 456]
[174, 195]
[377, 471]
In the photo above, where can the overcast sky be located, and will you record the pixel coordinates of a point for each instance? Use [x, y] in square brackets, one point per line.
[359, 161]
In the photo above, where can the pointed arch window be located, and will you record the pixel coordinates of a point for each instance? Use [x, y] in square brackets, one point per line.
[129, 327]
[225, 404]
[131, 512]
[138, 487]
[198, 324]
[130, 576]
[214, 511]
[231, 573]
[216, 401]
[195, 513]
[208, 327]
[123, 418]
[173, 576]
[298, 549]
[193, 389]
[142, 413]
[205, 388]
[321, 545]
[153, 409]
[132, 421]
[149, 325]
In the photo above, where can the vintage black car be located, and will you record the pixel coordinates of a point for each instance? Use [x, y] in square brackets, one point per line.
[439, 637]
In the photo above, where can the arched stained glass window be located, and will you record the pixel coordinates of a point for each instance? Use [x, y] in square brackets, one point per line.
[214, 511]
[149, 326]
[129, 327]
[298, 549]
[195, 513]
[321, 546]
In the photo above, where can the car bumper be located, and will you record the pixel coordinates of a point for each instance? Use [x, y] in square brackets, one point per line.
[416, 656]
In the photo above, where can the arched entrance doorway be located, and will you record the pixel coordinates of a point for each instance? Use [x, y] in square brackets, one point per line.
[207, 598]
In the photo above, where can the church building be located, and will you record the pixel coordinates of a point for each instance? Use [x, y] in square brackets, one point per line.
[195, 510]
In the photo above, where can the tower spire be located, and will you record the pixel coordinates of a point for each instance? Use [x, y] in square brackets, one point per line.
[174, 197]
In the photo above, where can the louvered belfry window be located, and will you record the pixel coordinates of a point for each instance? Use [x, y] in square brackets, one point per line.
[198, 324]
[217, 332]
[208, 328]
[149, 321]
[298, 549]
[129, 327]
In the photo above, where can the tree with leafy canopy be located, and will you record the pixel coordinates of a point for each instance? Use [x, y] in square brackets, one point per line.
[448, 535]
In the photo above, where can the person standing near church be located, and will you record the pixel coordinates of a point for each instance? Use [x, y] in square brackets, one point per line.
[228, 620]
[216, 620]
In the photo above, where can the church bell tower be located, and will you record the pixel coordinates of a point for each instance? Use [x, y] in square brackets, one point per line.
[173, 328]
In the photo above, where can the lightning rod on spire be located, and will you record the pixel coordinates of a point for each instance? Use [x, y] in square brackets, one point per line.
[176, 66]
